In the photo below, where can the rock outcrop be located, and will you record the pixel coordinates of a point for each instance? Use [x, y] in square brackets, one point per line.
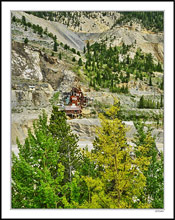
[25, 62]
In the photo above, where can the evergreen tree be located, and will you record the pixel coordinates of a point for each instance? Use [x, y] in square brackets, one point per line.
[55, 46]
[60, 56]
[80, 63]
[162, 84]
[153, 192]
[150, 81]
[26, 40]
[120, 176]
[141, 102]
[65, 46]
[46, 31]
[36, 171]
[14, 19]
[73, 59]
[23, 20]
[69, 152]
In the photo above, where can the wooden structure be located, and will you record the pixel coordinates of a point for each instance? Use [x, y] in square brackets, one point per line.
[75, 101]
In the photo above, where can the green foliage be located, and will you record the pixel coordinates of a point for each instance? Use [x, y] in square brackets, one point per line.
[123, 89]
[13, 19]
[26, 40]
[23, 20]
[80, 63]
[55, 46]
[66, 47]
[69, 153]
[54, 100]
[36, 173]
[154, 190]
[150, 20]
[149, 103]
[51, 171]
[73, 59]
[60, 56]
[162, 84]
[141, 102]
[150, 81]
[120, 176]
[104, 68]
[73, 50]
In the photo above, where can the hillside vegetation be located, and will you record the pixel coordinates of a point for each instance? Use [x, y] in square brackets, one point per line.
[149, 20]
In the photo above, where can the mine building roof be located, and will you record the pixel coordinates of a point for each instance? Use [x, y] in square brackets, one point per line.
[72, 107]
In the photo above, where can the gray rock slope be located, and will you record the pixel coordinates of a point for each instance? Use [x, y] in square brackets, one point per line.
[63, 34]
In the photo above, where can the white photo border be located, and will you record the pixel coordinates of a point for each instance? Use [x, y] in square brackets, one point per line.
[167, 7]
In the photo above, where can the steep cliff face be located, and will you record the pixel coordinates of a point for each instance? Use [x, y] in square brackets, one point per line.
[31, 63]
[25, 62]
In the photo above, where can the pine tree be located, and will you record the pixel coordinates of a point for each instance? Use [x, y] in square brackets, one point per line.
[69, 152]
[80, 62]
[14, 19]
[23, 20]
[162, 84]
[73, 59]
[141, 102]
[55, 46]
[26, 40]
[150, 81]
[120, 176]
[36, 171]
[153, 192]
[60, 56]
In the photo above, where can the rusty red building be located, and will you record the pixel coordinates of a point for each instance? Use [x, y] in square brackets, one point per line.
[75, 101]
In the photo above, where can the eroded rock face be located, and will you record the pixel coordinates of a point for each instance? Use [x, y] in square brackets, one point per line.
[23, 121]
[84, 128]
[25, 62]
[28, 95]
[68, 81]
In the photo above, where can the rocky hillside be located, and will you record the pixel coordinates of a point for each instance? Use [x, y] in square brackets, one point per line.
[63, 34]
[148, 41]
[50, 56]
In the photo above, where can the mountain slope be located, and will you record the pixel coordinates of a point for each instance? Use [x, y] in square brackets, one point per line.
[62, 33]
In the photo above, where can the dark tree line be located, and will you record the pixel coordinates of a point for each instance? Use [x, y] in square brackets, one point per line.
[150, 103]
[150, 20]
